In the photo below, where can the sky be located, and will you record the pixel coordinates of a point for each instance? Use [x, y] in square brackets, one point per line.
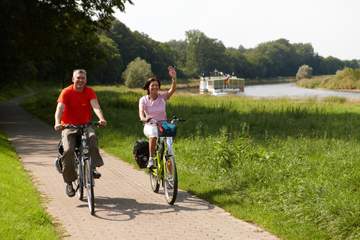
[331, 26]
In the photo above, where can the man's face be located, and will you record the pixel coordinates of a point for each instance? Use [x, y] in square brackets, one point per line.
[79, 80]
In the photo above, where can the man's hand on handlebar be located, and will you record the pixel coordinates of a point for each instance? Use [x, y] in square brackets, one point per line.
[58, 127]
[102, 123]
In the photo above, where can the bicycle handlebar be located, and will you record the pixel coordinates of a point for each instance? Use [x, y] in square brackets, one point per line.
[67, 126]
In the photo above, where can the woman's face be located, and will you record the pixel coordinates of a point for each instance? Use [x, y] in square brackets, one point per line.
[154, 87]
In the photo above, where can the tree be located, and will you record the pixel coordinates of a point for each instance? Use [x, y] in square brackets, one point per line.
[109, 65]
[136, 73]
[179, 50]
[46, 39]
[135, 44]
[203, 54]
[304, 72]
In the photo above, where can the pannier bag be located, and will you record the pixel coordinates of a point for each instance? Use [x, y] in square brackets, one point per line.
[167, 129]
[141, 153]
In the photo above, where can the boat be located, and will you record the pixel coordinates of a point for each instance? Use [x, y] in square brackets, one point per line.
[220, 84]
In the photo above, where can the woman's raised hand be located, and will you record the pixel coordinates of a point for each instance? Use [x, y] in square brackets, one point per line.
[172, 72]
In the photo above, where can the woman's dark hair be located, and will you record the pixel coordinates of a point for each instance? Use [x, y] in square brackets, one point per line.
[149, 81]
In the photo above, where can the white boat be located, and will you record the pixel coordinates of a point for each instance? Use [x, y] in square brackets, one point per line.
[221, 85]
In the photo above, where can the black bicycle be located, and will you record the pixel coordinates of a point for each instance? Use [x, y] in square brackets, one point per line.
[83, 165]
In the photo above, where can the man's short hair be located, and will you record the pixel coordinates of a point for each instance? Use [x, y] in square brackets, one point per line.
[83, 71]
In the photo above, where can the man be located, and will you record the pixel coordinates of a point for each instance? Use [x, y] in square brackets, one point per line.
[75, 105]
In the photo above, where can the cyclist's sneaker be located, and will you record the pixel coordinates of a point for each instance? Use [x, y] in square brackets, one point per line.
[150, 163]
[58, 165]
[70, 190]
[96, 174]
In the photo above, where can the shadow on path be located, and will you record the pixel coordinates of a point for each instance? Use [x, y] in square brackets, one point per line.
[125, 209]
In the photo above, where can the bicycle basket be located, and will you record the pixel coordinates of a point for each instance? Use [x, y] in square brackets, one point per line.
[141, 153]
[167, 129]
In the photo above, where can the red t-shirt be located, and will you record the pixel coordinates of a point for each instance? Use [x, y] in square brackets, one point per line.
[77, 109]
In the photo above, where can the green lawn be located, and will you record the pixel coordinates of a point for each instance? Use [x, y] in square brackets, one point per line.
[22, 216]
[290, 166]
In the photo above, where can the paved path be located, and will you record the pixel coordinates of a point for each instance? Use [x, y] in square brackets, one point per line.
[126, 208]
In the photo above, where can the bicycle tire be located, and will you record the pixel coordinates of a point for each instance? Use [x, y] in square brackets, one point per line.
[80, 179]
[154, 180]
[89, 185]
[170, 180]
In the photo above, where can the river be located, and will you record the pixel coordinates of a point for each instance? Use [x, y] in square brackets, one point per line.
[289, 90]
[293, 91]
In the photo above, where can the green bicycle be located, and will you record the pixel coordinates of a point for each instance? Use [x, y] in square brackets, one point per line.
[164, 171]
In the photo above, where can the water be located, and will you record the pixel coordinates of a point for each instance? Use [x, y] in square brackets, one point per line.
[289, 90]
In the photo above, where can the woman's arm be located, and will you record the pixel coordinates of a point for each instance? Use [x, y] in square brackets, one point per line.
[142, 114]
[172, 73]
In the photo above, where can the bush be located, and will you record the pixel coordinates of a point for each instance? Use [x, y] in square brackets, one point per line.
[136, 73]
[304, 72]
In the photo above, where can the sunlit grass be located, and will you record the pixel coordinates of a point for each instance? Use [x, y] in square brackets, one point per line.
[22, 216]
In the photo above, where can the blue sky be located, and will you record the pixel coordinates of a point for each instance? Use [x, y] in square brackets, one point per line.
[331, 26]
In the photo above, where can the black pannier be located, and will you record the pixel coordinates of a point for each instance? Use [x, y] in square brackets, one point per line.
[141, 153]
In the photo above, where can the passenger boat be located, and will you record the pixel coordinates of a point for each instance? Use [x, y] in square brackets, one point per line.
[221, 84]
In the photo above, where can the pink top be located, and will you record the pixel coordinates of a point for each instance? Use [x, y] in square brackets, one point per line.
[155, 109]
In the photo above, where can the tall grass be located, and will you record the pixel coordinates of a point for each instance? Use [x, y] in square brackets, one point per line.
[22, 216]
[346, 79]
[290, 166]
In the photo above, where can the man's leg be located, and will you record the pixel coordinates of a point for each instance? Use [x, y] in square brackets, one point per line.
[94, 149]
[94, 152]
[69, 173]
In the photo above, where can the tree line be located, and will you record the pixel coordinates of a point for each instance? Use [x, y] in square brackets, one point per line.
[44, 40]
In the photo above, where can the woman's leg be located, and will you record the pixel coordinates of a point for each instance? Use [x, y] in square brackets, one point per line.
[152, 146]
[151, 132]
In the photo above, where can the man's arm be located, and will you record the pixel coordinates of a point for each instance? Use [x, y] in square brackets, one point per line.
[58, 113]
[97, 109]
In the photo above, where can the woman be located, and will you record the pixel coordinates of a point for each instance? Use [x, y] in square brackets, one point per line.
[152, 109]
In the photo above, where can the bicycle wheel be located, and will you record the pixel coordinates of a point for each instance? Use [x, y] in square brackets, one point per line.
[89, 185]
[170, 180]
[154, 179]
[80, 179]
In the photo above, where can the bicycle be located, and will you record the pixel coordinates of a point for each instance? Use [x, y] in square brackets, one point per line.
[83, 165]
[164, 170]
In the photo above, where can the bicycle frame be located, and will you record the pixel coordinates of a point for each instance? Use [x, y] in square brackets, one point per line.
[164, 171]
[84, 167]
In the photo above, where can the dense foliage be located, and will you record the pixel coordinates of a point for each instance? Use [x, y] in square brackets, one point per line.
[46, 39]
[269, 59]
[136, 73]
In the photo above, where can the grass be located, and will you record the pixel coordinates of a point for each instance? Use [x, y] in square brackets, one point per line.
[346, 79]
[11, 90]
[22, 216]
[290, 166]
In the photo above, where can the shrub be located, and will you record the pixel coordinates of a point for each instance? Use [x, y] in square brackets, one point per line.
[136, 73]
[304, 72]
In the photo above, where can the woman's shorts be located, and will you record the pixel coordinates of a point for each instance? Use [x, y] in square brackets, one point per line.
[151, 130]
